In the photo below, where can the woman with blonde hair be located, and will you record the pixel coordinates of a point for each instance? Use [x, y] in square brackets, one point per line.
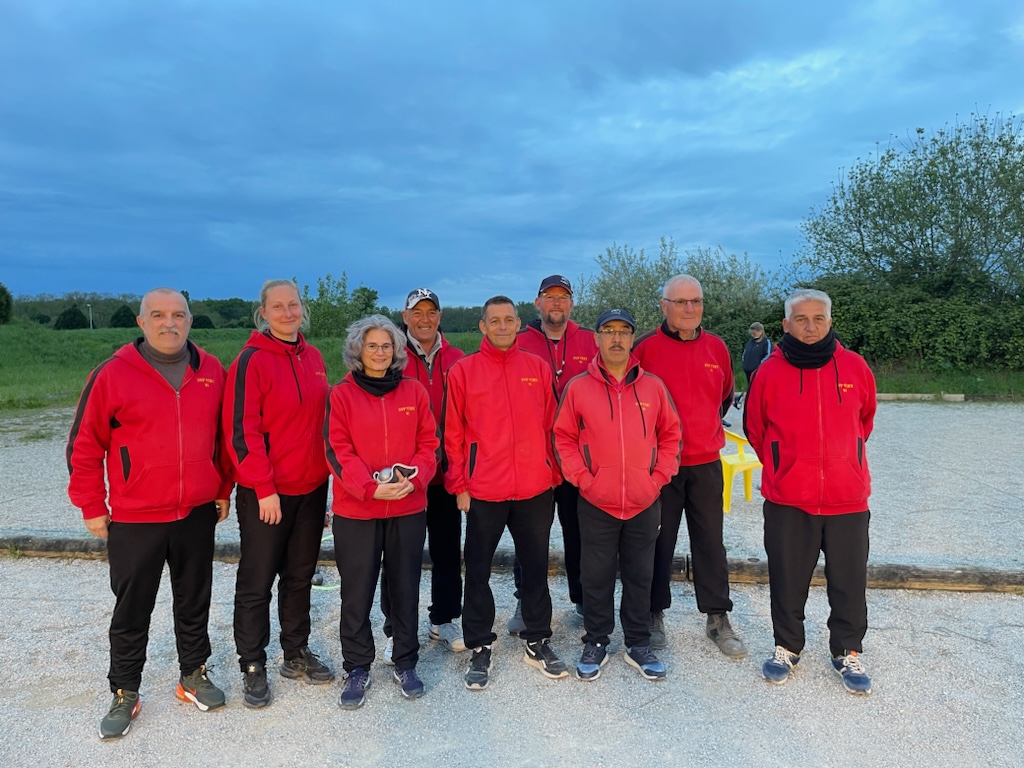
[273, 416]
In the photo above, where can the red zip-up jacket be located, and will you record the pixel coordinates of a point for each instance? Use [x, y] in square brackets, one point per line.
[698, 374]
[809, 427]
[618, 441]
[273, 417]
[162, 447]
[366, 433]
[498, 413]
[568, 358]
[433, 380]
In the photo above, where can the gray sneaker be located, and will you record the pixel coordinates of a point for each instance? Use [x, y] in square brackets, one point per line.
[516, 624]
[123, 709]
[479, 672]
[450, 634]
[658, 639]
[724, 637]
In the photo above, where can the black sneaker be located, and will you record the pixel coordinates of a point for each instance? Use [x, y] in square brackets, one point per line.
[479, 672]
[197, 688]
[123, 709]
[254, 685]
[593, 658]
[412, 686]
[539, 654]
[353, 694]
[643, 659]
[307, 667]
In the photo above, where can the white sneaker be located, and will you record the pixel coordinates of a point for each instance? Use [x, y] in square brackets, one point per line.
[389, 651]
[450, 634]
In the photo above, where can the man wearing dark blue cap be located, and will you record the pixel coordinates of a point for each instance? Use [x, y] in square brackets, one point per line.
[617, 439]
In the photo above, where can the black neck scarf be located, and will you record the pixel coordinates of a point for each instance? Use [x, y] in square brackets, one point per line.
[378, 387]
[814, 355]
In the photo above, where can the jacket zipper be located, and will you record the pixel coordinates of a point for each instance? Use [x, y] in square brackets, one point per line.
[387, 452]
[622, 462]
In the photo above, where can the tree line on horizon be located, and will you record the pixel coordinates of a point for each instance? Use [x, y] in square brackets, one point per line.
[920, 245]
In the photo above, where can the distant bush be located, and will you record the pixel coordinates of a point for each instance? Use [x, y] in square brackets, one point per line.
[123, 317]
[71, 319]
[202, 321]
[6, 304]
[41, 318]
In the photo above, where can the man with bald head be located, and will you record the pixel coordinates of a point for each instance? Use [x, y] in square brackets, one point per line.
[147, 426]
[697, 369]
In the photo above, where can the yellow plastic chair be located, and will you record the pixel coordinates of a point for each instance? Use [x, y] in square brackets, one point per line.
[745, 461]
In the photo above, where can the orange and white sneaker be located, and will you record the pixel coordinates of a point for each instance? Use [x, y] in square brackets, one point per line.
[197, 688]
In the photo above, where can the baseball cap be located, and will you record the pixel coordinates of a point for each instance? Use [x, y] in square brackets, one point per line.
[555, 281]
[421, 294]
[615, 314]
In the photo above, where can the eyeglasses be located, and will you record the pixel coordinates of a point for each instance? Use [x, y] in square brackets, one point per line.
[611, 333]
[684, 302]
[556, 296]
[371, 347]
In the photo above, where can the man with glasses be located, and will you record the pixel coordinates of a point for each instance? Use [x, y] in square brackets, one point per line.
[617, 439]
[697, 369]
[568, 349]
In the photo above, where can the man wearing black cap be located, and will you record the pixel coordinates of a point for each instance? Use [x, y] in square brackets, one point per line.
[617, 438]
[568, 349]
[429, 360]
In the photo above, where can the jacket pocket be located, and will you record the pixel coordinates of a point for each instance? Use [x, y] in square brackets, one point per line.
[586, 459]
[472, 457]
[775, 455]
[126, 462]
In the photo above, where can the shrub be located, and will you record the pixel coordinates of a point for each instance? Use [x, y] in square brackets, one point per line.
[123, 317]
[70, 319]
[6, 304]
[202, 321]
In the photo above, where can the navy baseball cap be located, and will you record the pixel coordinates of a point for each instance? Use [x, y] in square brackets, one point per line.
[555, 281]
[615, 314]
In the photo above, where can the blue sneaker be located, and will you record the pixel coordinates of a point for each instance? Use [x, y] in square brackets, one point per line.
[643, 658]
[851, 669]
[780, 666]
[594, 657]
[353, 694]
[412, 686]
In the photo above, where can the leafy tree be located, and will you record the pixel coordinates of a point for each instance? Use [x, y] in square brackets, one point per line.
[363, 301]
[202, 321]
[71, 319]
[6, 304]
[123, 317]
[943, 212]
[333, 308]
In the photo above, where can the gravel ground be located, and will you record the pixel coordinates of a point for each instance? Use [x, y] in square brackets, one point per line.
[948, 486]
[945, 668]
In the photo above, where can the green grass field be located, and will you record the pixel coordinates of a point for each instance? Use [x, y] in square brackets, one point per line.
[40, 367]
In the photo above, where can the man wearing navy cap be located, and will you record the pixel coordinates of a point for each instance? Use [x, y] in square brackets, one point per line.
[617, 438]
[568, 349]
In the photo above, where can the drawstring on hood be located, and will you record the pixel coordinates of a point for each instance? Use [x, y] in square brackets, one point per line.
[629, 381]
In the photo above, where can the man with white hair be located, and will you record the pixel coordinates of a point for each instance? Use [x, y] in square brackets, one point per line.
[810, 411]
[150, 415]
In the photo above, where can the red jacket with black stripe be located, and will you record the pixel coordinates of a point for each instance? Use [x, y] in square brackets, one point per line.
[161, 447]
[273, 416]
[698, 374]
[809, 427]
[618, 441]
[568, 358]
[433, 379]
[366, 433]
[498, 413]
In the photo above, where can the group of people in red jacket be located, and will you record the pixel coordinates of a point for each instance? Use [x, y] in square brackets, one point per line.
[620, 433]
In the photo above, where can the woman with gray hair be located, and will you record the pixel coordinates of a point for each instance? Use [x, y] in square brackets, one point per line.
[382, 450]
[273, 415]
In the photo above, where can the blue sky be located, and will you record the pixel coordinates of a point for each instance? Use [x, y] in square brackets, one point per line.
[469, 147]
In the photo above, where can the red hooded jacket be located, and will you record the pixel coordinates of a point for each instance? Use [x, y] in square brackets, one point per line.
[568, 358]
[618, 441]
[366, 433]
[433, 380]
[498, 412]
[162, 447]
[698, 374]
[273, 416]
[809, 427]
